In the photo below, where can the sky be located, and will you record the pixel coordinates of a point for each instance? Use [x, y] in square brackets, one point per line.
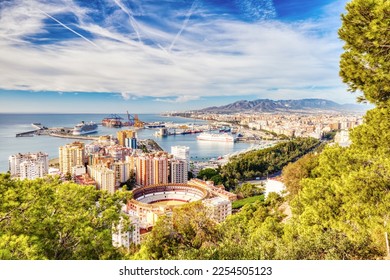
[145, 56]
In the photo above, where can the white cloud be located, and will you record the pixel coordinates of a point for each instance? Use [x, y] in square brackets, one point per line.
[213, 57]
[178, 99]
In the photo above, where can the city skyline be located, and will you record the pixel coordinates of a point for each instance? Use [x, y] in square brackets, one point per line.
[146, 57]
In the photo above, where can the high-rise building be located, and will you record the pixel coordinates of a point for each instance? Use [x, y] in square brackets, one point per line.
[103, 176]
[181, 152]
[71, 155]
[131, 143]
[179, 171]
[144, 167]
[151, 169]
[29, 166]
[160, 170]
[123, 134]
[122, 171]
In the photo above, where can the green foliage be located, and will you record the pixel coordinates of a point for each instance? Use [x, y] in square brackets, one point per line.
[207, 173]
[365, 63]
[295, 172]
[188, 233]
[374, 135]
[266, 161]
[48, 219]
[329, 135]
[248, 189]
[130, 183]
[242, 202]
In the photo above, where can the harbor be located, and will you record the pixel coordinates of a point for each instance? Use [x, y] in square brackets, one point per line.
[56, 130]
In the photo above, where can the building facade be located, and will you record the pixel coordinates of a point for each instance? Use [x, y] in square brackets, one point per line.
[218, 208]
[29, 166]
[103, 176]
[122, 237]
[179, 171]
[71, 155]
[125, 134]
[181, 152]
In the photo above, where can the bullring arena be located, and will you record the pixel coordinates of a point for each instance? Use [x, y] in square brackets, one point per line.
[152, 201]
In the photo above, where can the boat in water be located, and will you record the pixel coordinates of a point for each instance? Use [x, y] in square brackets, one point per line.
[85, 128]
[224, 137]
[112, 120]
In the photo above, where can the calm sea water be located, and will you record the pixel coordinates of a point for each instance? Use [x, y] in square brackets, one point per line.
[11, 124]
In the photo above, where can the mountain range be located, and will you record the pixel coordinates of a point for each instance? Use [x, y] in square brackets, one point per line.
[267, 105]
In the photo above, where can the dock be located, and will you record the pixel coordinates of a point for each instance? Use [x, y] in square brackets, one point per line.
[27, 133]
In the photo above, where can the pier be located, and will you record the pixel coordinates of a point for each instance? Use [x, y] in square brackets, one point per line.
[40, 129]
[28, 133]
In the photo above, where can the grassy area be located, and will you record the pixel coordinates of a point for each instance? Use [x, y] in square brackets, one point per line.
[240, 203]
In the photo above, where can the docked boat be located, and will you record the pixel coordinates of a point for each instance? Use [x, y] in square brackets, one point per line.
[112, 120]
[85, 128]
[224, 137]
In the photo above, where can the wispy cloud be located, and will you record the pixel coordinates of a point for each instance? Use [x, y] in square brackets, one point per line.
[215, 56]
[70, 29]
[185, 22]
[178, 99]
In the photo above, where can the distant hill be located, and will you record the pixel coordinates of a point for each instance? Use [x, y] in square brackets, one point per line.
[267, 105]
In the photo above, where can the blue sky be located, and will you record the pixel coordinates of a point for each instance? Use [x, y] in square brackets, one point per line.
[145, 56]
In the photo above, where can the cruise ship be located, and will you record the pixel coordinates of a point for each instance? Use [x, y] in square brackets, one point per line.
[224, 137]
[85, 128]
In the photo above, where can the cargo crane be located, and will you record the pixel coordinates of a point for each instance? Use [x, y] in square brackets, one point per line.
[133, 120]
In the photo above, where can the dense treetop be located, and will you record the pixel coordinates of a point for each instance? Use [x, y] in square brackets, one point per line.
[365, 63]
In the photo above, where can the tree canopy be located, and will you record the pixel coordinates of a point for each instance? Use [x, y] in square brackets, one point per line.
[365, 63]
[48, 219]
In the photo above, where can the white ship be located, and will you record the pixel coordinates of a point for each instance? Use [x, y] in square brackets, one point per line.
[224, 137]
[85, 128]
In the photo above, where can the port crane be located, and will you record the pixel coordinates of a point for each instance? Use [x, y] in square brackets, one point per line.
[134, 120]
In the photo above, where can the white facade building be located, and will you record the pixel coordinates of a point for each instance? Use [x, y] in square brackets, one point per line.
[103, 176]
[123, 238]
[218, 208]
[78, 170]
[181, 152]
[29, 166]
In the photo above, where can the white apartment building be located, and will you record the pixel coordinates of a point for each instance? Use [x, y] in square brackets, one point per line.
[103, 176]
[123, 238]
[78, 170]
[181, 152]
[29, 166]
[218, 208]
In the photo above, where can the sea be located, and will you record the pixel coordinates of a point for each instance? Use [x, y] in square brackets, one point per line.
[11, 124]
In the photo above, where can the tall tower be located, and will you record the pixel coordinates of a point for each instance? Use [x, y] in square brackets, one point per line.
[71, 155]
[123, 134]
[179, 171]
[144, 167]
[160, 170]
